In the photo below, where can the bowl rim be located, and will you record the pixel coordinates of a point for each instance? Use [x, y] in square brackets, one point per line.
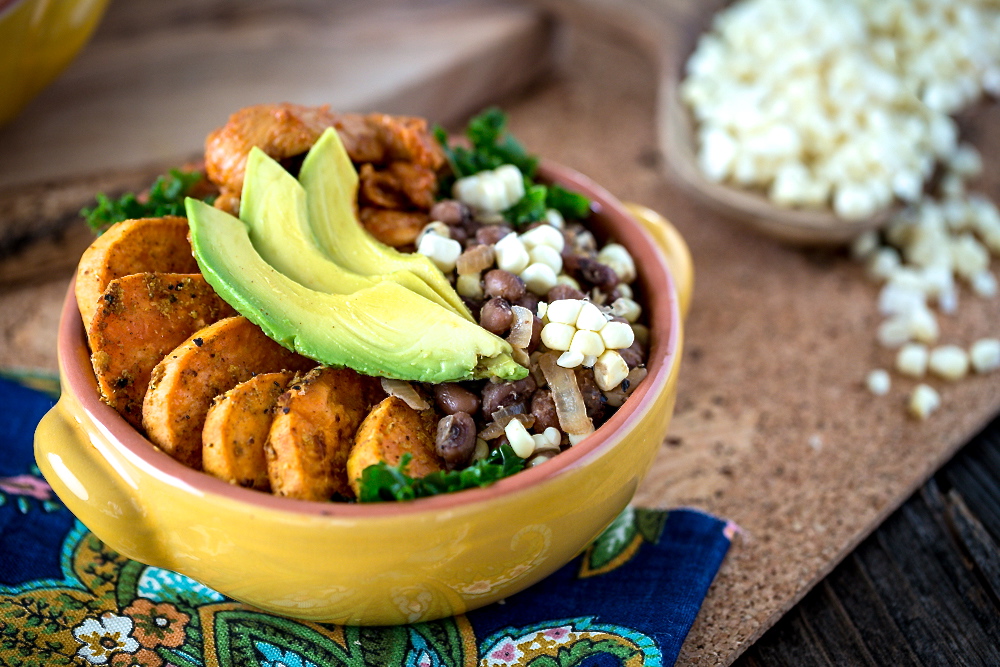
[662, 305]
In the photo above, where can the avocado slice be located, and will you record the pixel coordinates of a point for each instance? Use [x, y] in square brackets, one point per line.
[331, 184]
[273, 206]
[384, 330]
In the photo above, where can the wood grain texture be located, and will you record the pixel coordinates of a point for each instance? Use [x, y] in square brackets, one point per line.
[773, 427]
[158, 77]
[923, 590]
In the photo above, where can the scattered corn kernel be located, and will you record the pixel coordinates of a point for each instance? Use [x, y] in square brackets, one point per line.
[441, 250]
[618, 258]
[985, 355]
[589, 360]
[469, 286]
[923, 401]
[519, 438]
[491, 191]
[617, 335]
[538, 278]
[912, 360]
[627, 308]
[511, 254]
[570, 359]
[555, 218]
[547, 255]
[590, 318]
[587, 343]
[556, 335]
[610, 370]
[878, 382]
[554, 435]
[949, 362]
[565, 311]
[544, 235]
[566, 279]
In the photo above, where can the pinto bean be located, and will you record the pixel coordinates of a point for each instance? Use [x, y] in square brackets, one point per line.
[452, 398]
[489, 234]
[451, 212]
[498, 395]
[593, 398]
[529, 301]
[634, 355]
[562, 291]
[599, 275]
[503, 283]
[456, 439]
[543, 407]
[496, 316]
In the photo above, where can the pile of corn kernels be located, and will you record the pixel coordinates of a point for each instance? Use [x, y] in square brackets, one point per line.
[839, 103]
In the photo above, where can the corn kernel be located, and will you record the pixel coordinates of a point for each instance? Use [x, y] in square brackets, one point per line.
[554, 435]
[570, 359]
[556, 335]
[590, 318]
[520, 440]
[878, 382]
[587, 343]
[544, 235]
[985, 355]
[610, 370]
[912, 360]
[511, 254]
[618, 258]
[442, 251]
[949, 362]
[543, 254]
[923, 401]
[469, 286]
[538, 278]
[617, 335]
[565, 311]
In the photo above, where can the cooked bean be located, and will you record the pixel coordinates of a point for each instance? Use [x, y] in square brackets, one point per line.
[456, 439]
[593, 397]
[450, 212]
[543, 407]
[562, 291]
[536, 335]
[473, 305]
[498, 395]
[488, 234]
[599, 275]
[529, 301]
[503, 283]
[634, 355]
[452, 398]
[496, 316]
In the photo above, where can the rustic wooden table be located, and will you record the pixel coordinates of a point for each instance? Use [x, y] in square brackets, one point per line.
[772, 429]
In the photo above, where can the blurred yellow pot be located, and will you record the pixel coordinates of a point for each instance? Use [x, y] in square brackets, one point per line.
[38, 38]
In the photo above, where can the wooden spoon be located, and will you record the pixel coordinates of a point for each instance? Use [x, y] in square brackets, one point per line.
[669, 31]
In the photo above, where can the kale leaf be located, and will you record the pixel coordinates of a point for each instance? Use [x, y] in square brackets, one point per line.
[166, 197]
[383, 482]
[492, 147]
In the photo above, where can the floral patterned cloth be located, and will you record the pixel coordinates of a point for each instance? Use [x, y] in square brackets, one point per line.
[67, 599]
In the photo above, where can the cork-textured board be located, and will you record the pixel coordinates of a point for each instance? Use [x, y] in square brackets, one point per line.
[773, 428]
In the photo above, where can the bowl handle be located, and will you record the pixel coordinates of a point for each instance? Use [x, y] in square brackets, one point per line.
[89, 486]
[674, 249]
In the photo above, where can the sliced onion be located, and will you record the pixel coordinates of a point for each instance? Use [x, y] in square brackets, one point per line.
[570, 408]
[520, 331]
[492, 431]
[496, 428]
[476, 259]
[404, 391]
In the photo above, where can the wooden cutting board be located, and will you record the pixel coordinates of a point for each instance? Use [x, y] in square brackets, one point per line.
[158, 77]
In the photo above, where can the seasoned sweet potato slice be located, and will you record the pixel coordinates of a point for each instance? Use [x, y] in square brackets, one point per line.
[392, 429]
[132, 246]
[313, 432]
[236, 429]
[139, 319]
[209, 363]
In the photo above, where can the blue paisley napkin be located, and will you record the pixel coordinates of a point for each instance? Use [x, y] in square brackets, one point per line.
[67, 599]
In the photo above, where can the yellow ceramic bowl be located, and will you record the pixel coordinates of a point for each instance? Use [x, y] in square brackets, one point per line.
[38, 38]
[384, 563]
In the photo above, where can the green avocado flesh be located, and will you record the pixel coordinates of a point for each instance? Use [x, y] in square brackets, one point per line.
[384, 330]
[273, 206]
[331, 184]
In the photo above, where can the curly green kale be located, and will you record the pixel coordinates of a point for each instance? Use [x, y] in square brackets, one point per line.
[166, 197]
[383, 482]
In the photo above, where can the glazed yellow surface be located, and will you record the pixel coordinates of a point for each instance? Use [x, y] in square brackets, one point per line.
[391, 569]
[38, 38]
